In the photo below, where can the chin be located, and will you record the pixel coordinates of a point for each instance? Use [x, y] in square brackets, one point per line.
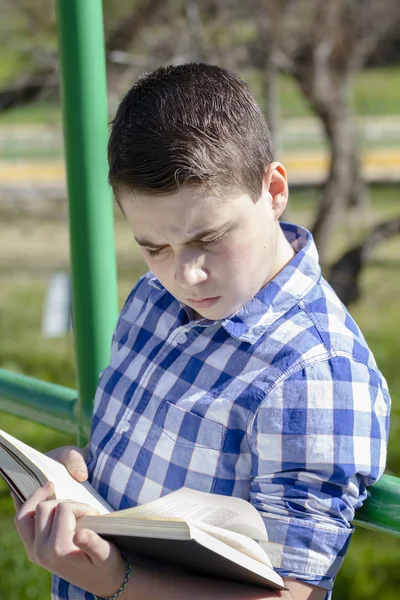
[220, 314]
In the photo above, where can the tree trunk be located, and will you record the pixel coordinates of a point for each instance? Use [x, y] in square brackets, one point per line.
[272, 100]
[323, 66]
[345, 274]
[198, 39]
[333, 107]
[270, 29]
[358, 197]
[338, 185]
[268, 43]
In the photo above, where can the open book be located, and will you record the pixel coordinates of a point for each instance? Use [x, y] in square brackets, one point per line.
[205, 534]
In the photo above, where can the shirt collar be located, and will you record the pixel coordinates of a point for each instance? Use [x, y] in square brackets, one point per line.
[155, 283]
[279, 295]
[283, 292]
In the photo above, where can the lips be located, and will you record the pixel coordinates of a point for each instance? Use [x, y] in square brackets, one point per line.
[205, 302]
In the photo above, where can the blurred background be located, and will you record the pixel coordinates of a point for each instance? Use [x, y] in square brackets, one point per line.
[327, 76]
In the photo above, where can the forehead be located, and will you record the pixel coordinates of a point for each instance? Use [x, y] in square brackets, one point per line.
[182, 214]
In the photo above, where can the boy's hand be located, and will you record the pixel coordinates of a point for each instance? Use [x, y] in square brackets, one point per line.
[48, 531]
[74, 459]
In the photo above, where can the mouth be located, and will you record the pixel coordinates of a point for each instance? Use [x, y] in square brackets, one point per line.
[202, 301]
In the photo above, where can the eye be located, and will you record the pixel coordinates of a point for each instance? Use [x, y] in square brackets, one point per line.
[215, 241]
[153, 253]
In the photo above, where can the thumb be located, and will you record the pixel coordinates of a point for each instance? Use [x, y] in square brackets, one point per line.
[72, 458]
[97, 549]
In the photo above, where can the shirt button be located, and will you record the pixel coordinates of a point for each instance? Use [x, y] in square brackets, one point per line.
[182, 338]
[124, 426]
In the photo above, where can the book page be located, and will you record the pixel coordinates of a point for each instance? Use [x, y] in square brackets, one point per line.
[239, 542]
[66, 487]
[12, 485]
[235, 554]
[20, 479]
[227, 512]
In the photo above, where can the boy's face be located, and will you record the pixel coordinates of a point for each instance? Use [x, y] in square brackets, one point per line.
[211, 253]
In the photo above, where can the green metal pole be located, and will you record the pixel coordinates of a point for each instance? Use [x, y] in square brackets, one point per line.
[84, 103]
[40, 401]
[381, 511]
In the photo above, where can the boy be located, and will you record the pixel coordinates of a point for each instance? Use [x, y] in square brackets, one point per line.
[234, 370]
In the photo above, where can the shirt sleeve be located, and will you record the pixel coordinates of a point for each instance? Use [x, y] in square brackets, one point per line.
[318, 439]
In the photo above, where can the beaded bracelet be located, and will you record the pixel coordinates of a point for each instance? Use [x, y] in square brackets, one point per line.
[123, 586]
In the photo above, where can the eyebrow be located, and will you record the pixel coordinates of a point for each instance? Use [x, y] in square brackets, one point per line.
[196, 238]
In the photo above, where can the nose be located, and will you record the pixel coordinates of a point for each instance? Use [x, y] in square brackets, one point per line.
[189, 268]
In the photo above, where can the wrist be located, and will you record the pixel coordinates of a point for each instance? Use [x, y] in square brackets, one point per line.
[120, 577]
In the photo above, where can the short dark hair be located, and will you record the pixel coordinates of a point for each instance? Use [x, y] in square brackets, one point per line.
[194, 124]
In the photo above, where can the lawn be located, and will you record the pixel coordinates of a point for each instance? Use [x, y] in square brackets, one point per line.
[37, 246]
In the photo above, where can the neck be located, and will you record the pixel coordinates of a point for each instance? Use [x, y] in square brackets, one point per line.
[285, 251]
[283, 256]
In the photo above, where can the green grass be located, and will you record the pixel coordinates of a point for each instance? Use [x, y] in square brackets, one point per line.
[377, 91]
[292, 101]
[32, 114]
[11, 62]
[370, 569]
[32, 154]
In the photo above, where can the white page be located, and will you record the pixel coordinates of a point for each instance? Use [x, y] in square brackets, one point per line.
[235, 555]
[230, 513]
[65, 487]
[239, 542]
[19, 474]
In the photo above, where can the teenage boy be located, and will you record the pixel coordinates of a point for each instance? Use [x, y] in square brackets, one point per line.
[235, 369]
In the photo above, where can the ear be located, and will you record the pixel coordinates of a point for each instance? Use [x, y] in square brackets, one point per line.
[276, 185]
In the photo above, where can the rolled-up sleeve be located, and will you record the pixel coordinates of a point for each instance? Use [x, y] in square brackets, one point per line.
[318, 439]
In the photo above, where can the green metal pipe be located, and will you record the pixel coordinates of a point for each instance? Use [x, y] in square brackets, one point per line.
[46, 403]
[381, 510]
[84, 103]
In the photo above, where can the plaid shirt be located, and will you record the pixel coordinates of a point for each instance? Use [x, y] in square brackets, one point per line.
[281, 404]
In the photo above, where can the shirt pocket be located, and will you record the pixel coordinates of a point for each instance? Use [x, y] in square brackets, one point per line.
[174, 448]
[185, 428]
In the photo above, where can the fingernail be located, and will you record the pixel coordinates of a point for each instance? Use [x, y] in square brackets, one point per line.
[48, 486]
[81, 473]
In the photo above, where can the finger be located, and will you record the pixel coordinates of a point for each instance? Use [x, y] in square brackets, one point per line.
[41, 495]
[24, 519]
[64, 525]
[97, 549]
[43, 521]
[72, 458]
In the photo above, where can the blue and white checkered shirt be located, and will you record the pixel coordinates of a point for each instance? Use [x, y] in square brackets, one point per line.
[281, 404]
